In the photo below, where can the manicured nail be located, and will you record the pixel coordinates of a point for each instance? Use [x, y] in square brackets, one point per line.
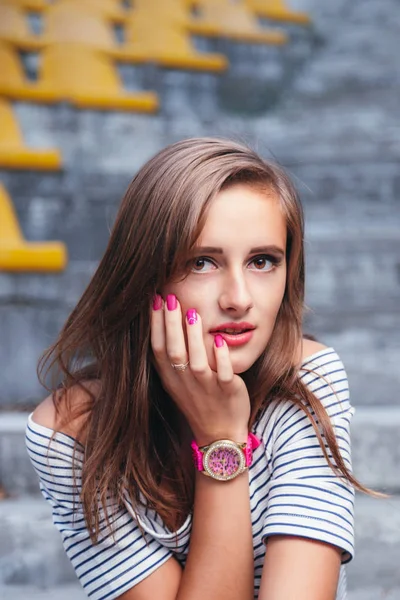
[219, 341]
[191, 316]
[171, 302]
[157, 302]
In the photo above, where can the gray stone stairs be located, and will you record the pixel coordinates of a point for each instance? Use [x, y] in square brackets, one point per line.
[74, 592]
[33, 562]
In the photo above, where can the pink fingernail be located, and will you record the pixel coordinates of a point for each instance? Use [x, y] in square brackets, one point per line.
[157, 302]
[191, 316]
[171, 302]
[219, 341]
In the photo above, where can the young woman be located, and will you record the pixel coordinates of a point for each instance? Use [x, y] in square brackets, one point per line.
[196, 445]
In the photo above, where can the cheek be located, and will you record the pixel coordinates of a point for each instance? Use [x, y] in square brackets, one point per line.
[272, 296]
[189, 296]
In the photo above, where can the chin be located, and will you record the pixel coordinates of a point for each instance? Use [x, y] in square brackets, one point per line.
[241, 366]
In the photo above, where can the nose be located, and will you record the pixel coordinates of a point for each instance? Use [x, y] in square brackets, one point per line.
[235, 295]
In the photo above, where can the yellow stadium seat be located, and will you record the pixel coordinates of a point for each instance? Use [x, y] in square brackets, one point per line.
[278, 11]
[150, 36]
[88, 79]
[220, 18]
[73, 22]
[69, 21]
[16, 254]
[13, 152]
[14, 27]
[168, 45]
[14, 84]
[32, 5]
[74, 73]
[171, 11]
[110, 9]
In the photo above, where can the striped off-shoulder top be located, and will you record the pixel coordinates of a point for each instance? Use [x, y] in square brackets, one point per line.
[293, 492]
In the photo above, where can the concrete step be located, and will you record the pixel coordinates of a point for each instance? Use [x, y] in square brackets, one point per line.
[61, 592]
[375, 449]
[31, 552]
[66, 592]
[381, 593]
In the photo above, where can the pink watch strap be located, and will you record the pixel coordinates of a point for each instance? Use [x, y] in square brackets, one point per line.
[197, 456]
[252, 443]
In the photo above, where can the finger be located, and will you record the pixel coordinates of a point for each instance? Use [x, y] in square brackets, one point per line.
[174, 336]
[225, 372]
[157, 329]
[197, 350]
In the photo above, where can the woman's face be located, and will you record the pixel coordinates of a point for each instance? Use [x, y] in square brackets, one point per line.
[237, 273]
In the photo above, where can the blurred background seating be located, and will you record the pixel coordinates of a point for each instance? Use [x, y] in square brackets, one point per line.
[14, 27]
[278, 10]
[166, 43]
[14, 154]
[14, 82]
[222, 18]
[16, 254]
[89, 90]
[34, 5]
[87, 78]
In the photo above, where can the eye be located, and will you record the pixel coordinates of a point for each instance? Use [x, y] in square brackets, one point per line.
[264, 262]
[202, 265]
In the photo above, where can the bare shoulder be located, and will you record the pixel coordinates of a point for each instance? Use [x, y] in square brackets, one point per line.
[45, 413]
[310, 347]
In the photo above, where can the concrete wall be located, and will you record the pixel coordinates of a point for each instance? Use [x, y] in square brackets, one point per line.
[326, 107]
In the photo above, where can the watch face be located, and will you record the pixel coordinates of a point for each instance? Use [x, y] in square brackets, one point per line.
[224, 460]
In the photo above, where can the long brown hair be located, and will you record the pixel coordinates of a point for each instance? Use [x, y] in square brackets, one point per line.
[132, 427]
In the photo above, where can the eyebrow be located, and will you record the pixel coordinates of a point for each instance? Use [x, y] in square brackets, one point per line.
[257, 250]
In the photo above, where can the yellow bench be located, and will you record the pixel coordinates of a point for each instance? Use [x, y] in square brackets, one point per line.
[169, 11]
[88, 79]
[277, 10]
[33, 5]
[14, 84]
[74, 73]
[16, 254]
[13, 152]
[109, 9]
[168, 44]
[14, 27]
[220, 18]
[70, 21]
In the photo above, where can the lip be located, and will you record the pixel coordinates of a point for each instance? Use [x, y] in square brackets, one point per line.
[235, 339]
[237, 326]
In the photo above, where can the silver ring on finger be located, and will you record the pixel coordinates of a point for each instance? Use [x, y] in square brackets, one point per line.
[180, 366]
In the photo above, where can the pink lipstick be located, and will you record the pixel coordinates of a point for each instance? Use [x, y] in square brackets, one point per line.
[234, 334]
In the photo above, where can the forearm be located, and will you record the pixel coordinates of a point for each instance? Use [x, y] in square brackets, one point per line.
[220, 561]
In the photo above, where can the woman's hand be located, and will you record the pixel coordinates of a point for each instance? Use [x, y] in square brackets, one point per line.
[216, 405]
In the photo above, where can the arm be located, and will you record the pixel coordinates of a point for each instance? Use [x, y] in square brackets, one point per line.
[297, 568]
[220, 559]
[308, 529]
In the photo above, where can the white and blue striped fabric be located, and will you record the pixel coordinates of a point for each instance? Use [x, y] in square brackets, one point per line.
[293, 491]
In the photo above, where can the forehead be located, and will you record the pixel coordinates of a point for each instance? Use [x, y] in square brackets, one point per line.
[242, 213]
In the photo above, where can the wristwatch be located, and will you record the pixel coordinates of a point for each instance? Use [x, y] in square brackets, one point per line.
[224, 459]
